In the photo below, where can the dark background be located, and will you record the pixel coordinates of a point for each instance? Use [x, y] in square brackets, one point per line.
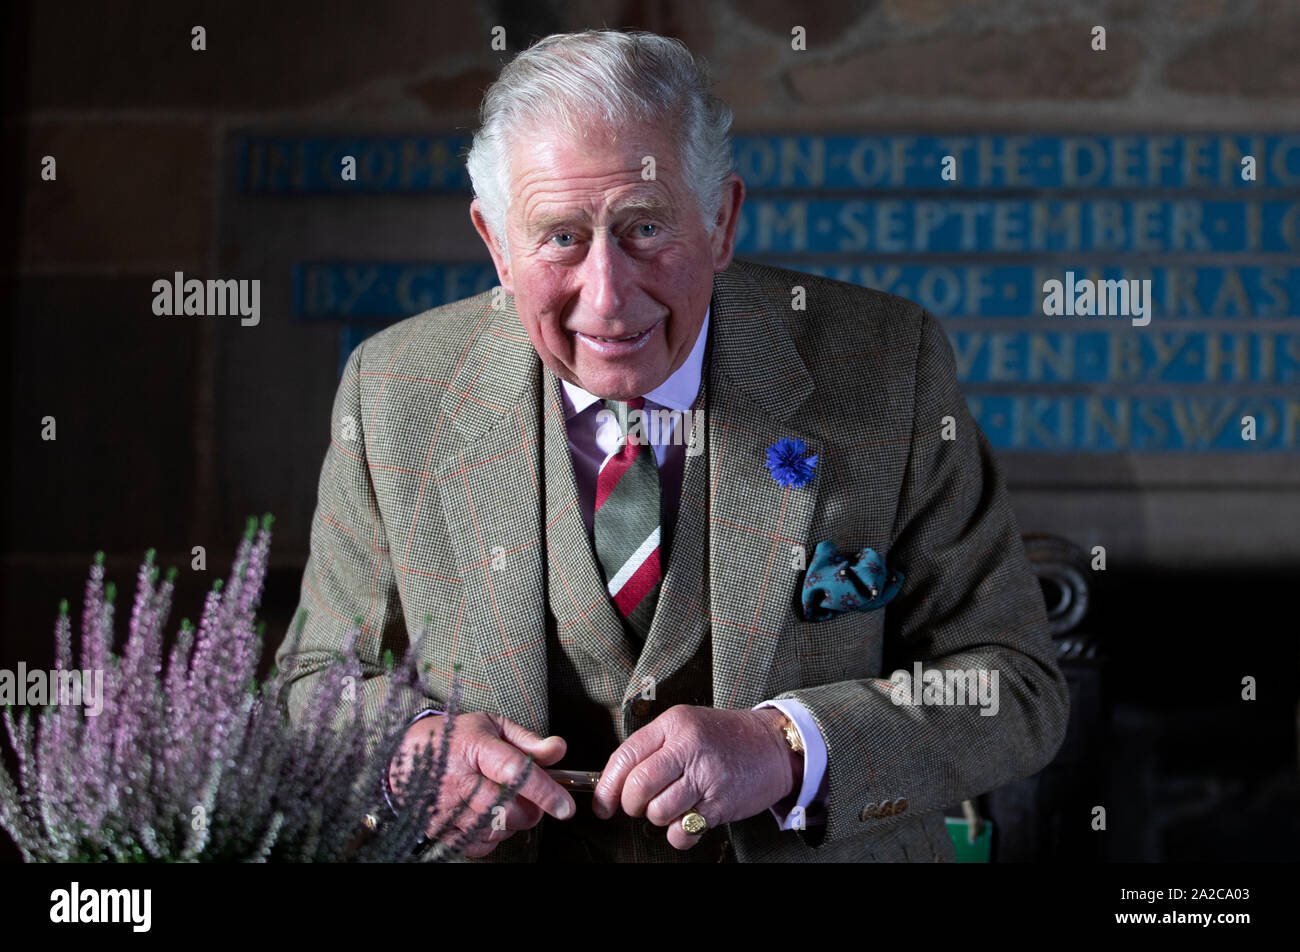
[172, 430]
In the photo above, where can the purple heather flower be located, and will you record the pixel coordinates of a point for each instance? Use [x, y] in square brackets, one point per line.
[185, 762]
[788, 464]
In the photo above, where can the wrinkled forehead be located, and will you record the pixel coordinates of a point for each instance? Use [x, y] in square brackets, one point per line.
[600, 169]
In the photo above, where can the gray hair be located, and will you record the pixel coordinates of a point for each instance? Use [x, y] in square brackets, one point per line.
[575, 80]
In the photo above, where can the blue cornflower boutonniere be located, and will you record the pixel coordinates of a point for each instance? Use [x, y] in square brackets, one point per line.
[788, 464]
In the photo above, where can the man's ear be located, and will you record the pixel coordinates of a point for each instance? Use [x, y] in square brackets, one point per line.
[724, 234]
[499, 260]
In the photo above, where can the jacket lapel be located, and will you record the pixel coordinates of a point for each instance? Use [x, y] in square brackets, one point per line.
[491, 498]
[757, 528]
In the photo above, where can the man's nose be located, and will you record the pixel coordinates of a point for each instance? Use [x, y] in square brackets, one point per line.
[605, 281]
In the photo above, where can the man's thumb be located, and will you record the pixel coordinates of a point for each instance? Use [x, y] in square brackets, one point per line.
[529, 742]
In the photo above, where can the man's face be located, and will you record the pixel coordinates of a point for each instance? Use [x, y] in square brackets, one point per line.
[611, 272]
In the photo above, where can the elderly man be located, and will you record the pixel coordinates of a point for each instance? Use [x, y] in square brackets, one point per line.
[695, 609]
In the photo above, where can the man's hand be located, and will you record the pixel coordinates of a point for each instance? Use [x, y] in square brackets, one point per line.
[495, 748]
[724, 764]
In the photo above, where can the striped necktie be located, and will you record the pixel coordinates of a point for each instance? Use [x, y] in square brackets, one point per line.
[626, 522]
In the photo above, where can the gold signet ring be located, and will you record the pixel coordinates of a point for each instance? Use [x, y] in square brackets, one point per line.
[693, 823]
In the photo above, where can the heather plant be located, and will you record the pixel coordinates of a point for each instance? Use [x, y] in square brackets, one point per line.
[198, 763]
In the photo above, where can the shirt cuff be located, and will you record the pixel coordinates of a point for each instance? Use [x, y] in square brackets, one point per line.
[811, 795]
[387, 798]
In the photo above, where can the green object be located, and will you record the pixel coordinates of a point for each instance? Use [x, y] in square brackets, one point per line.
[968, 852]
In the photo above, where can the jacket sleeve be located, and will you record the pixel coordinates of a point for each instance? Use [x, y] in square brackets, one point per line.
[348, 573]
[969, 602]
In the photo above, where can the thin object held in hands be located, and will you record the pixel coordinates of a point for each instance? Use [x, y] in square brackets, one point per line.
[575, 780]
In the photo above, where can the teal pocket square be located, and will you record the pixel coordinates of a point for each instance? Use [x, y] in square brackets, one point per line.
[834, 583]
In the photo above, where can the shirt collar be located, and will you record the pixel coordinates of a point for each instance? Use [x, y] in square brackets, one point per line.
[678, 392]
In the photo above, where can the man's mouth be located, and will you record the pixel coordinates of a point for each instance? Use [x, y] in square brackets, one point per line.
[609, 346]
[628, 337]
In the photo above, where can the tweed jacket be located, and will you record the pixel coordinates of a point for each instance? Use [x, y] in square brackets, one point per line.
[433, 506]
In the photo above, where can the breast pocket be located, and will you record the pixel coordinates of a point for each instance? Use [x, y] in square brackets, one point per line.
[843, 648]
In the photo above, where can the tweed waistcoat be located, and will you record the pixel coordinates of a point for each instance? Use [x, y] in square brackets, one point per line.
[604, 684]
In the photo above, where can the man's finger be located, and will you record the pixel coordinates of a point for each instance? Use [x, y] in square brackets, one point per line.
[681, 840]
[502, 763]
[647, 780]
[479, 850]
[673, 802]
[520, 813]
[545, 750]
[524, 814]
[517, 814]
[640, 745]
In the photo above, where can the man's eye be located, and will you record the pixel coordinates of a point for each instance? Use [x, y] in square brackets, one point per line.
[647, 230]
[563, 239]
